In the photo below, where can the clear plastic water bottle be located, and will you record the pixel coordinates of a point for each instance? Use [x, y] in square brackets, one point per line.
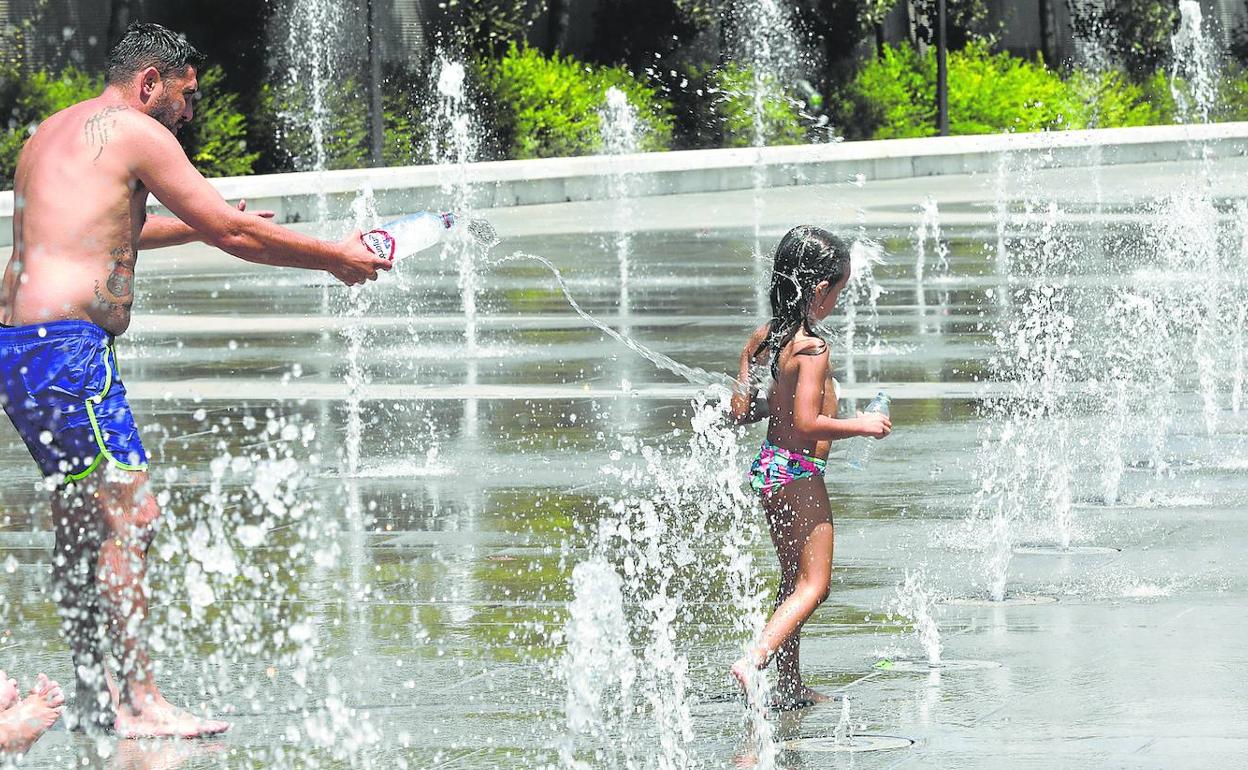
[860, 448]
[407, 235]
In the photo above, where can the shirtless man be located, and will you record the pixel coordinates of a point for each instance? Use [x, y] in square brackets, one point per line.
[79, 221]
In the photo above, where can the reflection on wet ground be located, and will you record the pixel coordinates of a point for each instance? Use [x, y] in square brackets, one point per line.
[411, 615]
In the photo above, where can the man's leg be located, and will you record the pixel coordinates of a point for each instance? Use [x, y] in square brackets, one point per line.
[74, 563]
[128, 512]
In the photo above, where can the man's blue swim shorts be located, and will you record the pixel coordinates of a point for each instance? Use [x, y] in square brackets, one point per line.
[63, 393]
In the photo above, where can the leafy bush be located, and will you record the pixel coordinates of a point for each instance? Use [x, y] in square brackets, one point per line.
[1233, 95]
[1112, 100]
[283, 127]
[45, 93]
[891, 97]
[998, 92]
[1231, 98]
[781, 119]
[404, 131]
[547, 107]
[894, 96]
[286, 128]
[216, 139]
[29, 99]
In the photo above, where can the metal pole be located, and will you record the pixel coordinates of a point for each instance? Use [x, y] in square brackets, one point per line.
[376, 130]
[942, 71]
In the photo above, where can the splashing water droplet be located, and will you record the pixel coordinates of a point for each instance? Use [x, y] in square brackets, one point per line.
[451, 80]
[483, 233]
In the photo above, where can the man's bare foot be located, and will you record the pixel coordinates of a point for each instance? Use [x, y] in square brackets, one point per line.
[798, 698]
[157, 718]
[22, 724]
[9, 693]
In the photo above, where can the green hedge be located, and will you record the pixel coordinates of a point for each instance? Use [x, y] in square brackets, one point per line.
[894, 96]
[283, 127]
[215, 140]
[551, 106]
[1232, 97]
[545, 106]
[734, 87]
[29, 99]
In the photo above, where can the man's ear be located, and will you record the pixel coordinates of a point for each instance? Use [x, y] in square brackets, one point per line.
[149, 79]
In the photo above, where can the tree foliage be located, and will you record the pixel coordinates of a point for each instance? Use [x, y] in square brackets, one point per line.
[964, 21]
[484, 27]
[1137, 32]
[653, 34]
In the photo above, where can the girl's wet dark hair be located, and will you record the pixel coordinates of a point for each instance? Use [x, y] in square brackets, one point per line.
[805, 257]
[151, 45]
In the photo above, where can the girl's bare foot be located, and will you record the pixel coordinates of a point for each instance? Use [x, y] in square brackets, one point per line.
[798, 698]
[158, 718]
[745, 670]
[9, 693]
[22, 724]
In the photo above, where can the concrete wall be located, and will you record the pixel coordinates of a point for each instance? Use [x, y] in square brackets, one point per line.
[528, 182]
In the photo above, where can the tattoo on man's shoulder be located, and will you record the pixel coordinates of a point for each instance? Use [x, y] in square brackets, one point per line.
[99, 128]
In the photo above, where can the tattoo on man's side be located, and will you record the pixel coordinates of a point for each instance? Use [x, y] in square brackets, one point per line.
[105, 302]
[99, 128]
[118, 290]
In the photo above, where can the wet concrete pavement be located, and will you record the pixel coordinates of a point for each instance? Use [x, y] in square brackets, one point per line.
[409, 614]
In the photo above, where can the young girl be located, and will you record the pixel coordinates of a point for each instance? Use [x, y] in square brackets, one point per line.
[811, 269]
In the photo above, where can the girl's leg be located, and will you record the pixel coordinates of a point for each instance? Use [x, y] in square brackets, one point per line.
[800, 520]
[787, 655]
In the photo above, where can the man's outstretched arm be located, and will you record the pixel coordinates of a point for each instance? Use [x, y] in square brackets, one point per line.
[161, 164]
[159, 231]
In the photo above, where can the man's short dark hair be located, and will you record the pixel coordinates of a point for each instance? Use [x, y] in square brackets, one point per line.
[151, 45]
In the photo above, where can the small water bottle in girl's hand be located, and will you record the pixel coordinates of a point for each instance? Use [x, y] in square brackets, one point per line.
[407, 235]
[860, 448]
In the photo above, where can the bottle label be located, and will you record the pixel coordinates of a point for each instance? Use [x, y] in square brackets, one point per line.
[380, 243]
